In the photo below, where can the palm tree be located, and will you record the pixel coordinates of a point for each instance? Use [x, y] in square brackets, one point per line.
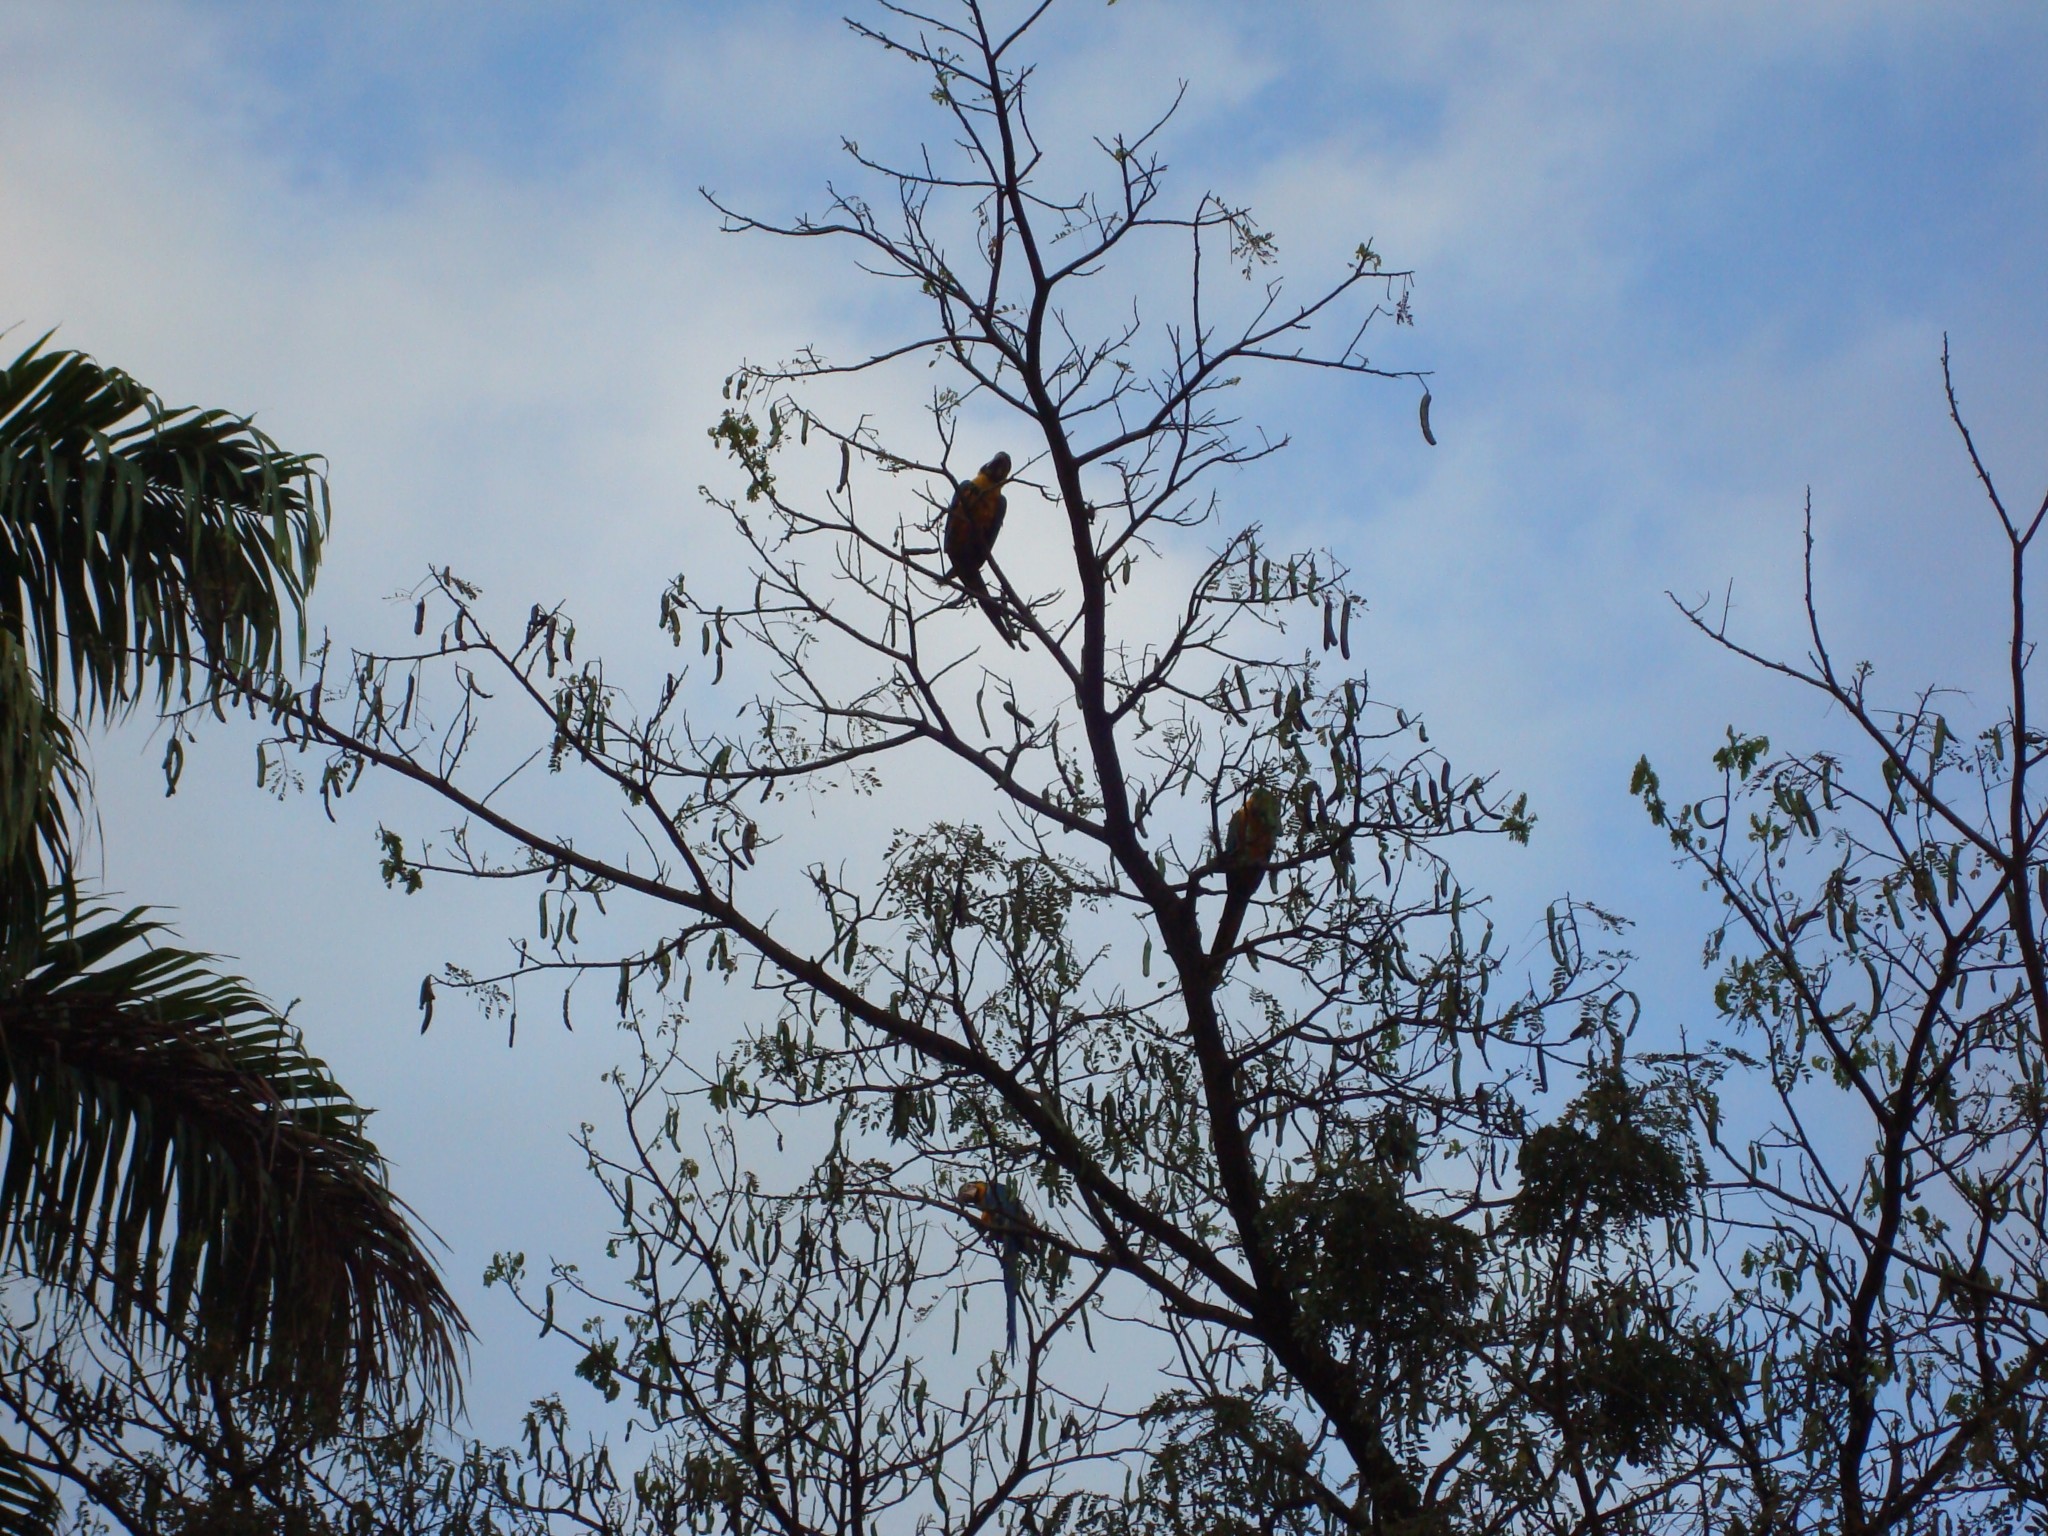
[171, 1158]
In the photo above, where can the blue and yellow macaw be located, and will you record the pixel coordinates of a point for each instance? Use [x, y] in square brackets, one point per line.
[1247, 854]
[996, 1210]
[973, 519]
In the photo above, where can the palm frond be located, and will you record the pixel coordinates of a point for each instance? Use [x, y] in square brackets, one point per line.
[134, 540]
[28, 1505]
[171, 1149]
[135, 537]
[42, 785]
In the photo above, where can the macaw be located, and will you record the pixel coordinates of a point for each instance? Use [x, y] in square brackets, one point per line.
[1000, 1215]
[1247, 854]
[973, 519]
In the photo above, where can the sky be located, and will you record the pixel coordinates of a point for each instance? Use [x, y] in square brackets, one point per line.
[1675, 267]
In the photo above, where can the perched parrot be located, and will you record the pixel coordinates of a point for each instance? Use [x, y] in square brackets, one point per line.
[973, 519]
[1000, 1215]
[1247, 854]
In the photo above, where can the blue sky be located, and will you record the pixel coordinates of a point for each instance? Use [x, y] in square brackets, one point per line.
[1675, 265]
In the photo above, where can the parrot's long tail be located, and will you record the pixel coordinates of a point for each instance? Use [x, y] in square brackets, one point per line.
[977, 585]
[1010, 1301]
[1239, 886]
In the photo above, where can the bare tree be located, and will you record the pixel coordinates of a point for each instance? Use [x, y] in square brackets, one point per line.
[1162, 1008]
[1879, 1223]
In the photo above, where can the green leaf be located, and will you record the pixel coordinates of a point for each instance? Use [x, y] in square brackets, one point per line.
[176, 1160]
[28, 1505]
[144, 550]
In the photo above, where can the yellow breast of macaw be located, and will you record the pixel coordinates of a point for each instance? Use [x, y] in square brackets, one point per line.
[1253, 827]
[992, 1208]
[973, 520]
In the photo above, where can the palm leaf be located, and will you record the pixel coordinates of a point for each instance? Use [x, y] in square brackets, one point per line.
[42, 784]
[28, 1506]
[136, 541]
[135, 538]
[171, 1150]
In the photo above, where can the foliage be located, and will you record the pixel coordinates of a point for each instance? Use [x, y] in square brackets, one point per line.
[1874, 1108]
[172, 1148]
[180, 1182]
[135, 540]
[1600, 1165]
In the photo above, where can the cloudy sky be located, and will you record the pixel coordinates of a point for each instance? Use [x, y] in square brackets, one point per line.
[1675, 265]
